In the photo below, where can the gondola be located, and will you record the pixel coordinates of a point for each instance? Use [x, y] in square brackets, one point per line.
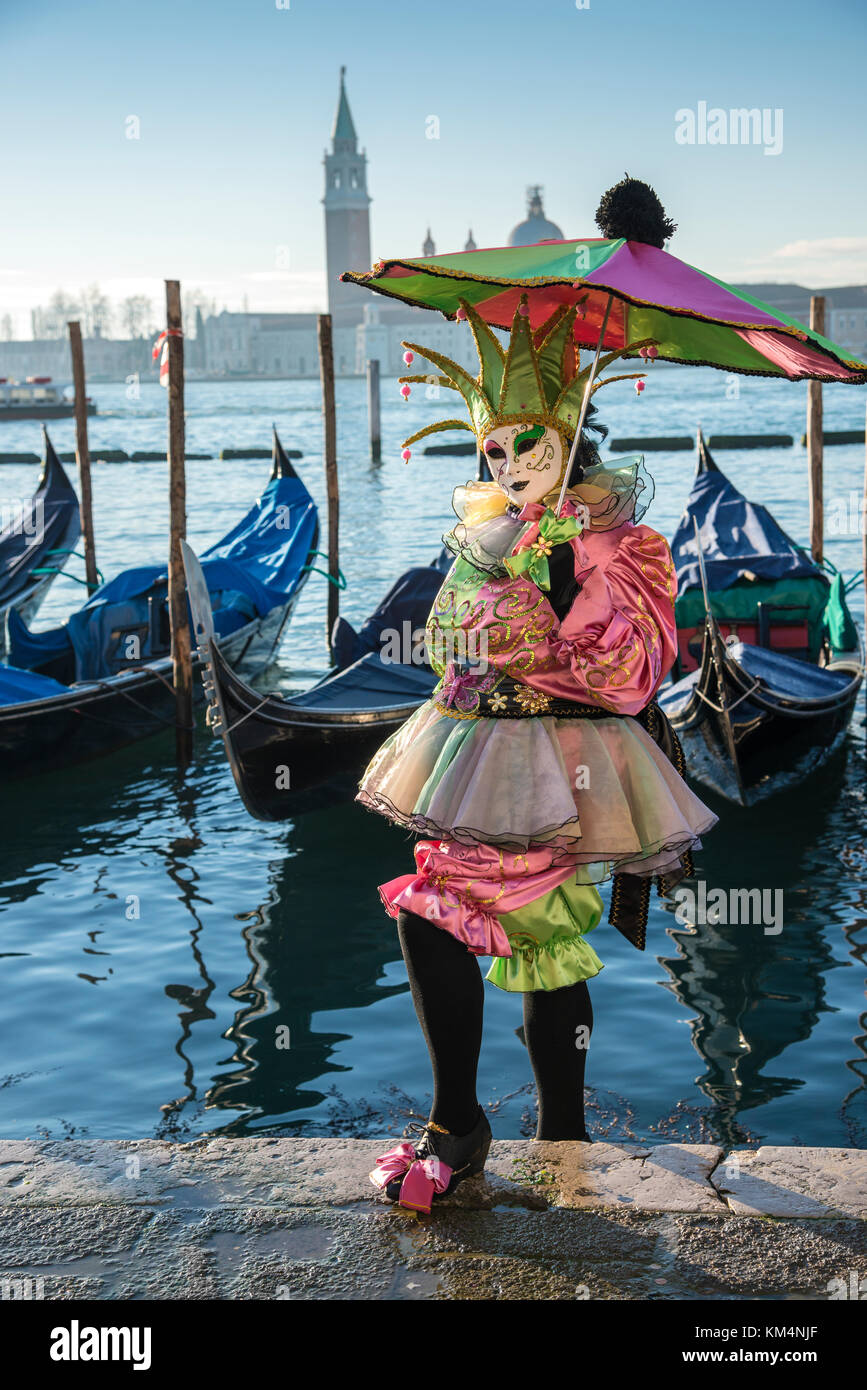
[297, 753]
[103, 679]
[766, 590]
[37, 542]
[754, 720]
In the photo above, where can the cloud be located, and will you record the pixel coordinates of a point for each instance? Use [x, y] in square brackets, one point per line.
[840, 260]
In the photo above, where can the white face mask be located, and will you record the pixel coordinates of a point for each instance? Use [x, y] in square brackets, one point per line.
[526, 461]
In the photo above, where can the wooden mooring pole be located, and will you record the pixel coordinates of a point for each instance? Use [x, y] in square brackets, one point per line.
[329, 421]
[182, 665]
[373, 409]
[82, 455]
[814, 441]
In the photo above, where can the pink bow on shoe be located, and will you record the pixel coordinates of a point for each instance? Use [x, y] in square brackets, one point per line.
[423, 1176]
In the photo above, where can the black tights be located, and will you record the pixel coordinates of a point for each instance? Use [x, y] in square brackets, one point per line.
[448, 994]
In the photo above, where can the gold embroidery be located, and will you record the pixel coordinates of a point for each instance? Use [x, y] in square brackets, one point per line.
[656, 566]
[451, 713]
[532, 701]
[518, 602]
[472, 896]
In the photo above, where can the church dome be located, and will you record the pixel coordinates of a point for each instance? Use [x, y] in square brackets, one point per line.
[536, 227]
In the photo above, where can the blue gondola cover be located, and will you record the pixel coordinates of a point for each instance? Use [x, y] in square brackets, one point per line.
[739, 538]
[250, 571]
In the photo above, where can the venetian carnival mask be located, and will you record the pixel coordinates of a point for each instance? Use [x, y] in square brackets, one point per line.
[527, 461]
[525, 403]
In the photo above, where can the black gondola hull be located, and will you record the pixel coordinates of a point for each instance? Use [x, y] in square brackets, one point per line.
[40, 541]
[780, 734]
[97, 719]
[287, 761]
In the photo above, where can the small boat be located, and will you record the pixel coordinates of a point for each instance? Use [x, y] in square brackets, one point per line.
[37, 398]
[104, 679]
[297, 753]
[754, 719]
[36, 543]
[753, 722]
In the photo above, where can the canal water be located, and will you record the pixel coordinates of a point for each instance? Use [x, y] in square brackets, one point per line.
[159, 949]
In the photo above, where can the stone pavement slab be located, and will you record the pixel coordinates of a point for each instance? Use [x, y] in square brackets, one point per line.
[788, 1181]
[334, 1172]
[662, 1177]
[298, 1219]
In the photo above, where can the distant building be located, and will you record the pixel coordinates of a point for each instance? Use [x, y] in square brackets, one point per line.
[270, 345]
[386, 327]
[364, 326]
[243, 345]
[347, 214]
[536, 226]
[848, 327]
[106, 359]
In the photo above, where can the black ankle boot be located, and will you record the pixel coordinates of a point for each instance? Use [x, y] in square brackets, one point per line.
[465, 1154]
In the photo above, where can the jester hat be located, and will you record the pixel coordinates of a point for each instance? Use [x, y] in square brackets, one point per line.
[536, 380]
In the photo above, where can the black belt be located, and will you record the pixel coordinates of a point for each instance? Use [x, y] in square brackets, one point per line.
[514, 700]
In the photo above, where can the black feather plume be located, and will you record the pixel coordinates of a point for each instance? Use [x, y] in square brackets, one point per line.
[587, 454]
[632, 210]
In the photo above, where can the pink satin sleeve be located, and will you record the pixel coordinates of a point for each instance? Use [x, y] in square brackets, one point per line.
[619, 638]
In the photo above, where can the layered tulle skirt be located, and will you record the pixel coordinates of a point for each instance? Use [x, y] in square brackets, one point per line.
[598, 793]
[522, 818]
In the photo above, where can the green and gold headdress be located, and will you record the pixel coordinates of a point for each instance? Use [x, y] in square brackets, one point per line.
[537, 380]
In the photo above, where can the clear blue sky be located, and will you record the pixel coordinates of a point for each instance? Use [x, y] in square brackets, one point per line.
[236, 100]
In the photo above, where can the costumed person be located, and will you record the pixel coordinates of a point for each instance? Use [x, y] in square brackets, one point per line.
[541, 765]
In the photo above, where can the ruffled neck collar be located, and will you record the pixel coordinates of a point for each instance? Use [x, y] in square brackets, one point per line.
[609, 495]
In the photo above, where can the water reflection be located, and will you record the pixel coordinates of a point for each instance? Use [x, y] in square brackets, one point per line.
[753, 994]
[318, 943]
[177, 856]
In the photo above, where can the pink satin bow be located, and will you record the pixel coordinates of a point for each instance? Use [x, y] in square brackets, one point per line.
[423, 1176]
[458, 683]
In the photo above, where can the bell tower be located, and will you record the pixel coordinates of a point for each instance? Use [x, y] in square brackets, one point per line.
[347, 215]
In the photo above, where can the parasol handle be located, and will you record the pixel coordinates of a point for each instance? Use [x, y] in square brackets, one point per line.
[584, 404]
[717, 650]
